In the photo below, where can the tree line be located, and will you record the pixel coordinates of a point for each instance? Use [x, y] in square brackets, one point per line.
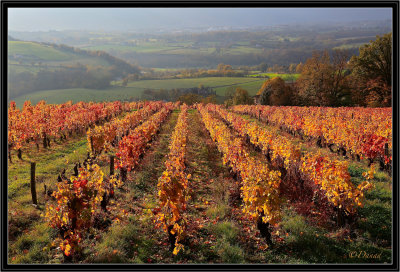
[334, 79]
[330, 79]
[272, 56]
[293, 45]
[222, 70]
[188, 95]
[77, 76]
[122, 66]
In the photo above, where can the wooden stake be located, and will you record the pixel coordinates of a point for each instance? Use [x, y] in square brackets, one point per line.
[44, 141]
[386, 149]
[91, 144]
[33, 183]
[111, 165]
[123, 174]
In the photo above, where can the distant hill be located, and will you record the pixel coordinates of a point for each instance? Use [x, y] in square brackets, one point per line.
[11, 38]
[34, 66]
[27, 56]
[271, 44]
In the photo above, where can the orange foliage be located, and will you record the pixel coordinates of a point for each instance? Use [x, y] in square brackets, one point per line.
[172, 185]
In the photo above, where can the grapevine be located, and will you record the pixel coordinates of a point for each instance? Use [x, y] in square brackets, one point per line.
[38, 124]
[260, 185]
[172, 185]
[357, 131]
[78, 199]
[132, 146]
[104, 137]
[331, 175]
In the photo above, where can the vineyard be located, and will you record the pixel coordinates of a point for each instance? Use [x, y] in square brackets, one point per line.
[156, 182]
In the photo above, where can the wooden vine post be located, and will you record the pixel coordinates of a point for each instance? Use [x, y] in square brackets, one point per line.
[264, 229]
[112, 165]
[386, 149]
[9, 155]
[33, 183]
[387, 167]
[91, 144]
[123, 172]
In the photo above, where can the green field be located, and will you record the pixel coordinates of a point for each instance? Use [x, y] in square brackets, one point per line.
[175, 48]
[286, 77]
[14, 68]
[79, 94]
[38, 51]
[146, 48]
[168, 69]
[242, 50]
[135, 89]
[218, 83]
[252, 87]
[33, 57]
[141, 47]
[349, 46]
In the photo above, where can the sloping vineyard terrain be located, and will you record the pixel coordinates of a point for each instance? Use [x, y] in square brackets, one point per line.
[157, 182]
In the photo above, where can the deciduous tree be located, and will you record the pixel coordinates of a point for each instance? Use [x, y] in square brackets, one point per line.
[190, 98]
[275, 92]
[242, 97]
[372, 72]
[323, 81]
[263, 67]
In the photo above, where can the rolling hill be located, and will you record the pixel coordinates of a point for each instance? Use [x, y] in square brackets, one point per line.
[28, 56]
[34, 66]
[135, 89]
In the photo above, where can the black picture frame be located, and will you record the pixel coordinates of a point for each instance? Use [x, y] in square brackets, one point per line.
[394, 5]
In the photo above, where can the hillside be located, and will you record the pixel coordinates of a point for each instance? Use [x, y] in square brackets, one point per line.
[28, 56]
[281, 45]
[135, 89]
[214, 162]
[34, 66]
[10, 38]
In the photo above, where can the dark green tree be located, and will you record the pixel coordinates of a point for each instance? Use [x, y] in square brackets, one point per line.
[263, 67]
[190, 98]
[375, 59]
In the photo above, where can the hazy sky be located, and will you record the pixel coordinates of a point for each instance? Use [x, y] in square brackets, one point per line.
[43, 19]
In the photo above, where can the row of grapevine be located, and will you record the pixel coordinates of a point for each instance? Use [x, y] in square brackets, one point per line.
[78, 199]
[82, 197]
[260, 184]
[41, 122]
[132, 146]
[106, 136]
[172, 185]
[358, 131]
[332, 176]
